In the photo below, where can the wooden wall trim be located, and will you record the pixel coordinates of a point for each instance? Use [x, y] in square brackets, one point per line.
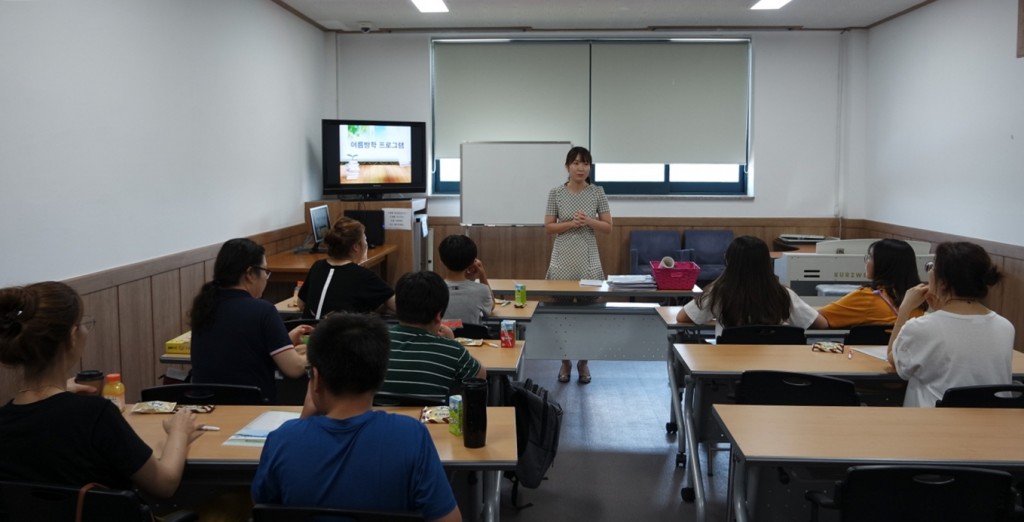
[113, 277]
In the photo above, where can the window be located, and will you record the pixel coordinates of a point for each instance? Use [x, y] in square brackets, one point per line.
[662, 117]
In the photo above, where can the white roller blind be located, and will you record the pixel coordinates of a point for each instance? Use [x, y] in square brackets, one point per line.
[509, 92]
[669, 102]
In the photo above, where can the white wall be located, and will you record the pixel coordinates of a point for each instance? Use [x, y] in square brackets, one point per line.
[946, 121]
[132, 130]
[795, 119]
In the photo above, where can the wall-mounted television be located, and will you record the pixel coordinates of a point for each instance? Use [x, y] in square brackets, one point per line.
[370, 158]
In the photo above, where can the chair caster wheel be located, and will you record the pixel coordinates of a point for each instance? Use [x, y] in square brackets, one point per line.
[687, 494]
[680, 459]
[671, 427]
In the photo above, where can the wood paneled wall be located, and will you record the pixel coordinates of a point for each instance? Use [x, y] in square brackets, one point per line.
[138, 307]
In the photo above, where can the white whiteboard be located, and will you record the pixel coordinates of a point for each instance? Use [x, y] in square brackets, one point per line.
[507, 182]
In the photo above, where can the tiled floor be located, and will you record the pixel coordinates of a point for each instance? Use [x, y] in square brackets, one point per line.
[615, 460]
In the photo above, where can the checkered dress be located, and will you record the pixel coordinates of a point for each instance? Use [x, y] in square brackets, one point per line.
[575, 255]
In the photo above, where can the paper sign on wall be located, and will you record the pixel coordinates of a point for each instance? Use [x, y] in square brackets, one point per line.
[397, 218]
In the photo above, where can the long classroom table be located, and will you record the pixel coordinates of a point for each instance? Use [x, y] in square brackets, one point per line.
[211, 462]
[291, 267]
[766, 437]
[705, 363]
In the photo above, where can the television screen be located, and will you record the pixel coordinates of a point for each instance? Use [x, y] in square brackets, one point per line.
[369, 158]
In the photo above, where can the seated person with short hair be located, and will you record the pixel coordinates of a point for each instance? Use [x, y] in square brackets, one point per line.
[423, 363]
[342, 454]
[469, 295]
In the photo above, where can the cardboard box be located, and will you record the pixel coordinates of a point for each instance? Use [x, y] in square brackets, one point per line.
[180, 344]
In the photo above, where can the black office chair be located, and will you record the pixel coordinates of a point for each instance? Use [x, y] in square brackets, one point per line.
[473, 331]
[292, 323]
[52, 503]
[218, 394]
[985, 396]
[762, 334]
[398, 399]
[272, 513]
[919, 493]
[870, 334]
[794, 389]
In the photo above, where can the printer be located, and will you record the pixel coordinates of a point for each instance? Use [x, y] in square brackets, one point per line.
[836, 262]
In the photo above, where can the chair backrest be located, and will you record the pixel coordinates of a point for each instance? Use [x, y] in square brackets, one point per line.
[292, 323]
[398, 399]
[876, 334]
[273, 513]
[218, 394]
[762, 334]
[708, 246]
[653, 245]
[53, 503]
[473, 331]
[986, 396]
[924, 493]
[794, 389]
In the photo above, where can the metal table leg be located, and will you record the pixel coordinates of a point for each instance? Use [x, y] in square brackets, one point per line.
[696, 487]
[491, 496]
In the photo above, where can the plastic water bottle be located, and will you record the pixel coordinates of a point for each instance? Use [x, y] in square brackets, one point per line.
[113, 390]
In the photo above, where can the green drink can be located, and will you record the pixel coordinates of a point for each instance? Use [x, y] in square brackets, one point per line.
[520, 295]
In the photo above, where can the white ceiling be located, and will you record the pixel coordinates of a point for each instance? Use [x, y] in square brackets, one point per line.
[598, 15]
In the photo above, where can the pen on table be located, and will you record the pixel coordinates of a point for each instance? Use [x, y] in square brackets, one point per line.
[207, 427]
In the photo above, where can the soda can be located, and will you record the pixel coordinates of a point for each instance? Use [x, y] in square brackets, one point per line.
[508, 333]
[520, 295]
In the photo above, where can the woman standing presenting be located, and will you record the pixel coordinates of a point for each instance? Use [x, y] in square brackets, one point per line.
[576, 210]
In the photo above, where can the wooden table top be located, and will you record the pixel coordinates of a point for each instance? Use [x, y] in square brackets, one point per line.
[734, 359]
[865, 435]
[553, 287]
[496, 359]
[289, 262]
[509, 311]
[499, 453]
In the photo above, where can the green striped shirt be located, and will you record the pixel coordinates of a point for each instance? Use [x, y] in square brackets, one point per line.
[425, 364]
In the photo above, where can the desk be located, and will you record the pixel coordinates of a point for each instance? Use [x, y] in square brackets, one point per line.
[703, 363]
[572, 288]
[770, 436]
[289, 267]
[498, 362]
[210, 462]
[510, 311]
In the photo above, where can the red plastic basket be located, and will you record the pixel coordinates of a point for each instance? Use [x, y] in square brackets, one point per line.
[680, 277]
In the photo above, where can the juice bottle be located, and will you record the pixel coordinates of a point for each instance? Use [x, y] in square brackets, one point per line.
[113, 390]
[295, 294]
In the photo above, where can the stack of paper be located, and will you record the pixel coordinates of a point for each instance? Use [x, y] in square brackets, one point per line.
[255, 433]
[631, 281]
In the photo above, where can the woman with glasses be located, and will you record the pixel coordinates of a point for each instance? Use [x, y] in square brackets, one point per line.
[238, 338]
[339, 283]
[960, 342]
[891, 265]
[48, 435]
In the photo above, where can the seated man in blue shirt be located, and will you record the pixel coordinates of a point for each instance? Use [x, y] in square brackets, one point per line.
[341, 453]
[425, 361]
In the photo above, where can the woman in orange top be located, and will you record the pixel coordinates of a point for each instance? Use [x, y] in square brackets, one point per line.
[892, 268]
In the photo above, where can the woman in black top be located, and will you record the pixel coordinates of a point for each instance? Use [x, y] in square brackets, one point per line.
[50, 435]
[339, 283]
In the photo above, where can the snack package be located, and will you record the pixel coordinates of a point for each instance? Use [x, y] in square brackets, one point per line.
[465, 341]
[197, 408]
[435, 415]
[154, 407]
[827, 346]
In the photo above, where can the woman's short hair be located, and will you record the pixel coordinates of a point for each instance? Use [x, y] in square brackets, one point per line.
[965, 269]
[35, 324]
[895, 267]
[345, 234]
[579, 152]
[235, 258]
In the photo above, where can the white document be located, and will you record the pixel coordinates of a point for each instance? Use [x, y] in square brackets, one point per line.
[255, 433]
[879, 352]
[397, 218]
[591, 282]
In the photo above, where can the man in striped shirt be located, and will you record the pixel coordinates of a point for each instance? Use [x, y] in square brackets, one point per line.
[423, 362]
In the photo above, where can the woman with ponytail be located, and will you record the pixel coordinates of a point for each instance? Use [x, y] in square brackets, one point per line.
[238, 338]
[49, 435]
[960, 342]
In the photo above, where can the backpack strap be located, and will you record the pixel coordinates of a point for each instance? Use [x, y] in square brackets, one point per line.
[80, 505]
[885, 298]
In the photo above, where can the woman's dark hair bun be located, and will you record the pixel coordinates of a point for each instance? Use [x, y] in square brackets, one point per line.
[992, 276]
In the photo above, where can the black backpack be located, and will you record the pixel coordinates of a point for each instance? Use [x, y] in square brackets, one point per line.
[538, 425]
